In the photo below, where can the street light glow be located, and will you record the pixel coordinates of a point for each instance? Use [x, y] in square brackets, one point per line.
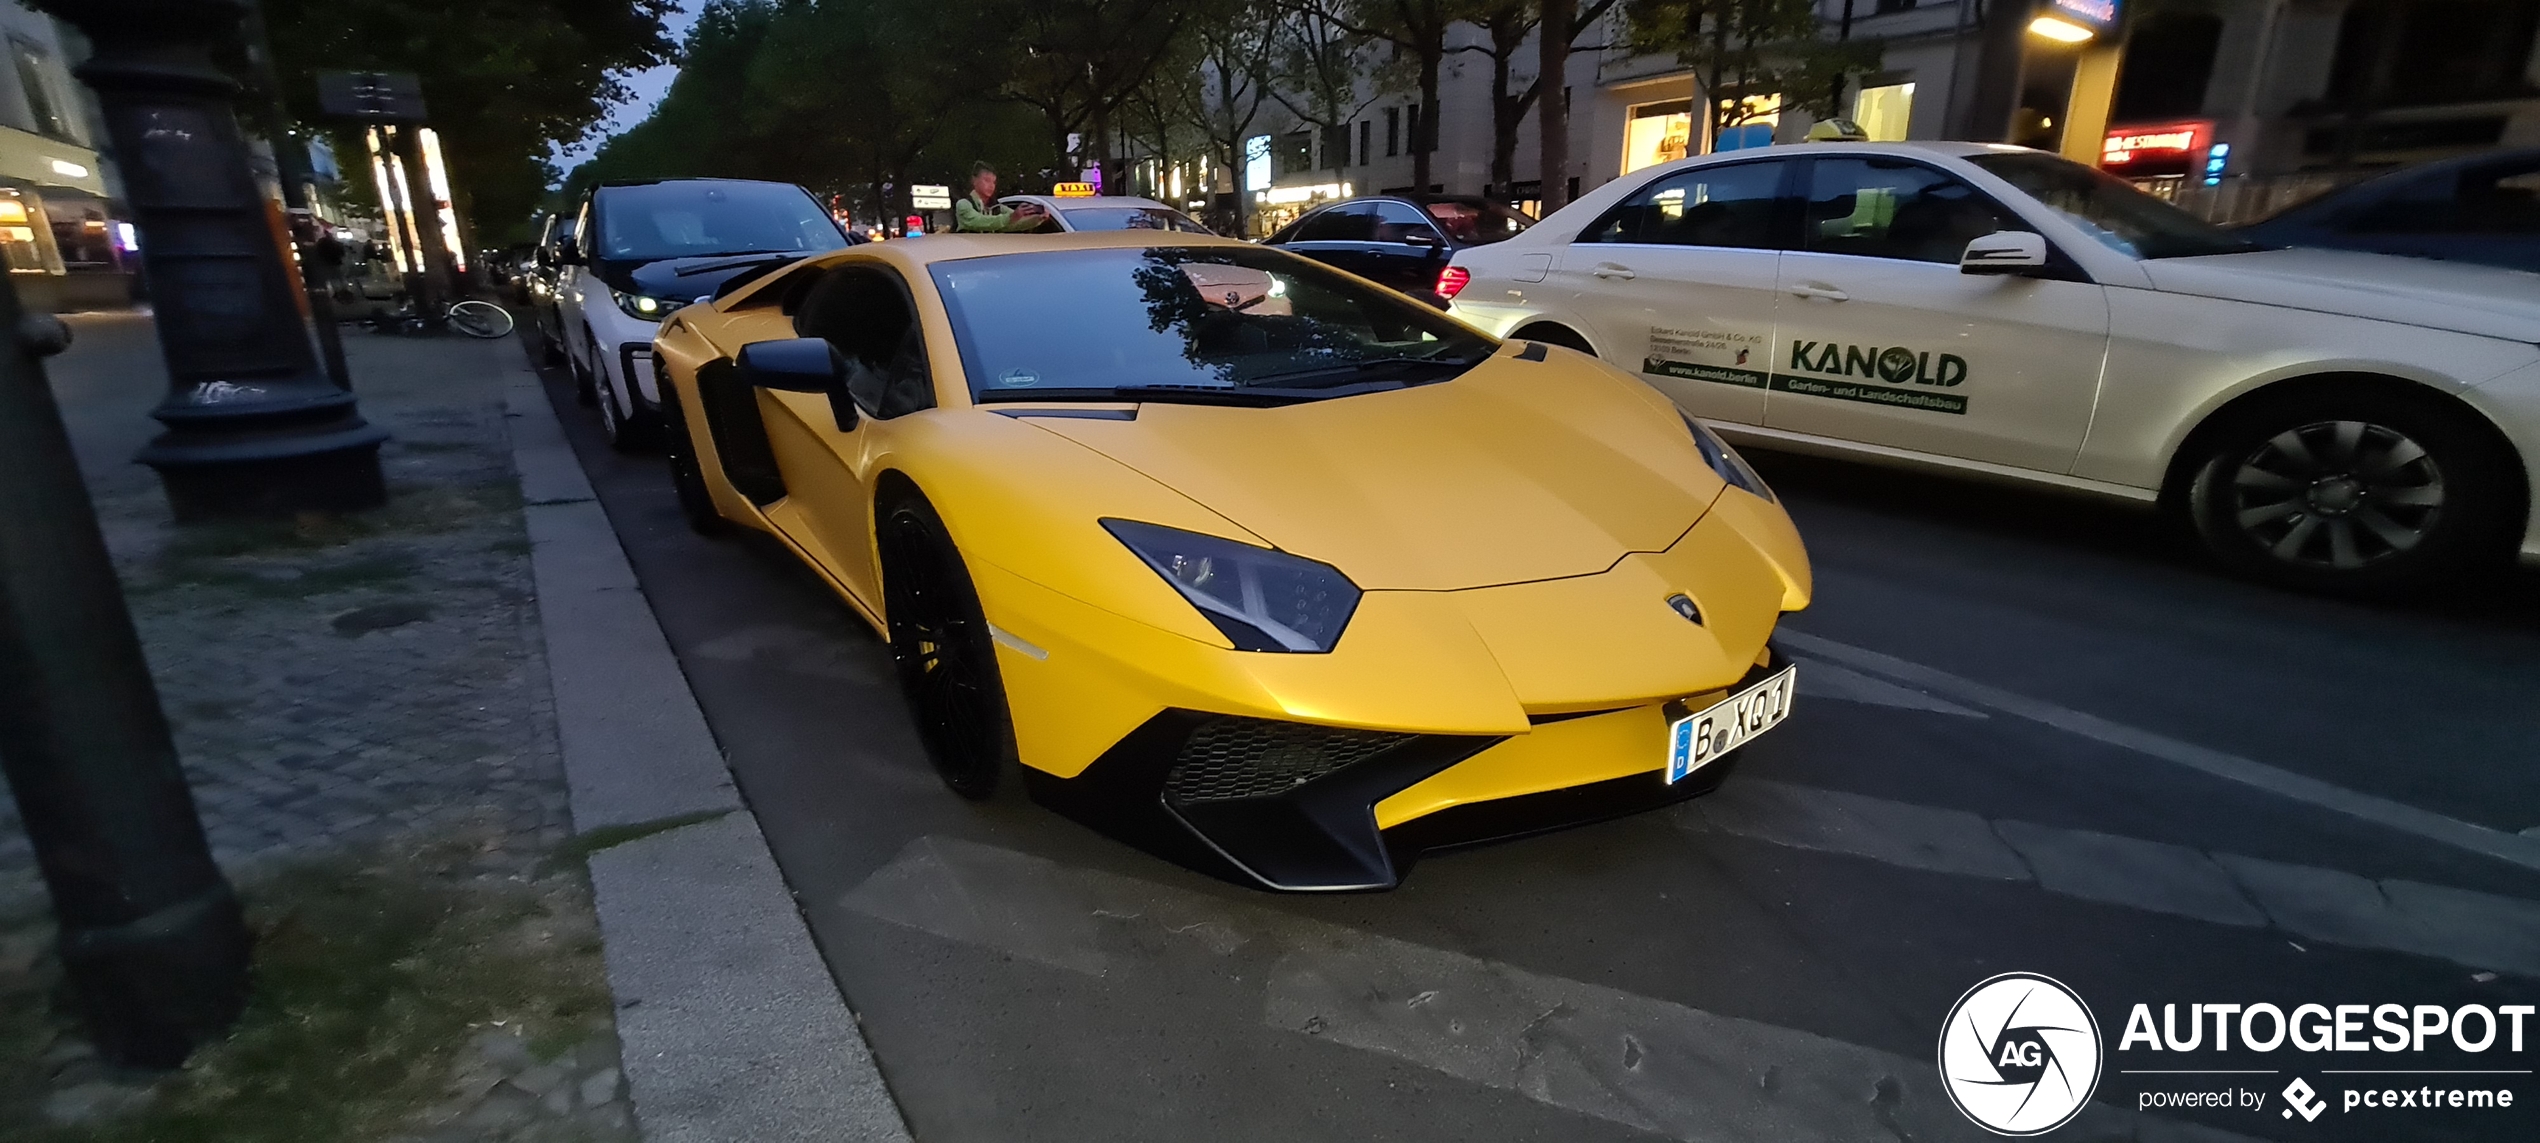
[2059, 30]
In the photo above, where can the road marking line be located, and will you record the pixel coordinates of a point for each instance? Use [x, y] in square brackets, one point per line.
[1826, 680]
[2510, 848]
[1651, 1064]
[2477, 930]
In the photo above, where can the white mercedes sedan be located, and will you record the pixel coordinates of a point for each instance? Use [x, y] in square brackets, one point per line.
[2329, 420]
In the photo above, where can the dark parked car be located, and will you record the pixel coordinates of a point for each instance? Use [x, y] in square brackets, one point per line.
[546, 319]
[1399, 240]
[2483, 209]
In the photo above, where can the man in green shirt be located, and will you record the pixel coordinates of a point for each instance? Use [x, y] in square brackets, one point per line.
[972, 213]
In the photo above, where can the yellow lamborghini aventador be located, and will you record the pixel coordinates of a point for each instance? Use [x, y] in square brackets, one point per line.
[1245, 560]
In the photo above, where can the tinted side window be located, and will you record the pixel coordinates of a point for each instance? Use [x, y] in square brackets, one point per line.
[2500, 198]
[864, 311]
[1889, 208]
[1708, 206]
[1397, 221]
[1350, 222]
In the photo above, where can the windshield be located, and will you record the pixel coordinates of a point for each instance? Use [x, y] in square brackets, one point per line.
[2109, 209]
[1132, 218]
[1223, 324]
[687, 219]
[1478, 223]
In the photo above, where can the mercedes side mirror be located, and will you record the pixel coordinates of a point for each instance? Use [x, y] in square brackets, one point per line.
[2004, 252]
[1419, 238]
[801, 365]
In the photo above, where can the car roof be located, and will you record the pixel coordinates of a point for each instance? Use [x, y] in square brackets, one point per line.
[699, 179]
[1073, 202]
[956, 246]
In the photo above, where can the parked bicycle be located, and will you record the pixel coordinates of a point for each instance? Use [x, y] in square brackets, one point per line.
[469, 316]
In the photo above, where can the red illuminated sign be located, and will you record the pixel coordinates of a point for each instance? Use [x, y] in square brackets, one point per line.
[2159, 149]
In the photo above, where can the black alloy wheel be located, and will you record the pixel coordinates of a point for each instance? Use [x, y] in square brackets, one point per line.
[945, 655]
[2360, 494]
[687, 469]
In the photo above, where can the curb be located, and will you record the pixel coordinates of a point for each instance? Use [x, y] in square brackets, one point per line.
[729, 1023]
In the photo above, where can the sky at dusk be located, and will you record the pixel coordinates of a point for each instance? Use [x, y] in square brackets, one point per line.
[646, 88]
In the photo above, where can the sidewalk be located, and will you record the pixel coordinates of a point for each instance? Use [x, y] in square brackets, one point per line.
[365, 706]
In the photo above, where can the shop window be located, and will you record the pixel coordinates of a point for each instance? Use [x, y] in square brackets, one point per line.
[82, 233]
[17, 237]
[1747, 122]
[35, 79]
[1885, 113]
[1657, 133]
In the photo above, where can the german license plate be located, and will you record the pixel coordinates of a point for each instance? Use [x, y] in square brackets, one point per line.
[1700, 738]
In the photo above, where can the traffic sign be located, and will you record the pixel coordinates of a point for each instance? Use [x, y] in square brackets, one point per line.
[371, 96]
[930, 196]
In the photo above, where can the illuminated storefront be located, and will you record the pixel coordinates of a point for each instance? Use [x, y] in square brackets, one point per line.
[1658, 133]
[1886, 112]
[1279, 206]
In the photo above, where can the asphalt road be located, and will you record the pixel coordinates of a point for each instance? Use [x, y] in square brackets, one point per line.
[2035, 734]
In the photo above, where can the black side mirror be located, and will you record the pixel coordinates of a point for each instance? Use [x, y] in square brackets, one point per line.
[801, 365]
[568, 256]
[1420, 238]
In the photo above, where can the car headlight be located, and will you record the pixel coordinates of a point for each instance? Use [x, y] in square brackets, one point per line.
[1725, 460]
[644, 306]
[1262, 599]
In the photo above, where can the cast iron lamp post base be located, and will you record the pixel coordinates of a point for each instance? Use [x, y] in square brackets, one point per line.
[254, 427]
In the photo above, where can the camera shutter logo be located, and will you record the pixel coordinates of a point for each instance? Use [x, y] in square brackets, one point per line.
[2020, 1054]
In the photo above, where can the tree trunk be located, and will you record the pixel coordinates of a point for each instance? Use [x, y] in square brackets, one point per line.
[1505, 114]
[1552, 110]
[1431, 54]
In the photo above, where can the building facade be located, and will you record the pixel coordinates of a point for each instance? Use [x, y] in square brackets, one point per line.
[63, 237]
[2233, 107]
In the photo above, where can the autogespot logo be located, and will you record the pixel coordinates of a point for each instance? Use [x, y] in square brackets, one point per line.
[2020, 1054]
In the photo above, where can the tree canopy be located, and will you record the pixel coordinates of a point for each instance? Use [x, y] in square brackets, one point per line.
[505, 79]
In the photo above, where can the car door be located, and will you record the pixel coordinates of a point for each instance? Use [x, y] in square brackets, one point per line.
[1677, 282]
[1337, 236]
[863, 309]
[1405, 249]
[1885, 342]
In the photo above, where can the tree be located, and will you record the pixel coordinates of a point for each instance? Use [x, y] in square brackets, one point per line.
[1321, 66]
[1238, 59]
[1417, 31]
[505, 79]
[1740, 49]
[1076, 61]
[1508, 26]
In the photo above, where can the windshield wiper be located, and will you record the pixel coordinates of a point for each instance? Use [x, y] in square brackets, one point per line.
[1243, 396]
[1345, 374]
[741, 258]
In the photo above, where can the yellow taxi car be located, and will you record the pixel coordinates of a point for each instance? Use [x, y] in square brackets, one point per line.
[1246, 561]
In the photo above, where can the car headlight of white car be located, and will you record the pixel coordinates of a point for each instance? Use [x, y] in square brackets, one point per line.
[644, 306]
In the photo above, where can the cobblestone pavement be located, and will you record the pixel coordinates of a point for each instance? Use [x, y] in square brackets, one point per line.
[342, 682]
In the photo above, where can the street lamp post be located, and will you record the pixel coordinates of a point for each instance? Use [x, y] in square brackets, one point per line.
[150, 934]
[253, 426]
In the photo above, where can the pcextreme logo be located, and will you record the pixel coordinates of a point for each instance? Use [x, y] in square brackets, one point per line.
[2020, 1054]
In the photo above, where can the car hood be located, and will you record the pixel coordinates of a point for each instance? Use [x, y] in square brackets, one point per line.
[1516, 471]
[676, 279]
[2481, 300]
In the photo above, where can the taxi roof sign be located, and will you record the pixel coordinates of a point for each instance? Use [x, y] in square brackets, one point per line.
[1073, 190]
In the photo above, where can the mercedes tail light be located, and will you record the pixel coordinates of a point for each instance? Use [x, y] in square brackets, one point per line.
[1451, 281]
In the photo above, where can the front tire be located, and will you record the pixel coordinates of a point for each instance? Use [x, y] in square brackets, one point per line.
[626, 432]
[940, 643]
[687, 469]
[2356, 492]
